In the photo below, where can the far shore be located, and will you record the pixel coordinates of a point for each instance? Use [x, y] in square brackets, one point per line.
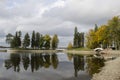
[79, 52]
[84, 52]
[31, 51]
[51, 51]
[3, 50]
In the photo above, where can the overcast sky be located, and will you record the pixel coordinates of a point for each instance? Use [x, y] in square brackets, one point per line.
[54, 16]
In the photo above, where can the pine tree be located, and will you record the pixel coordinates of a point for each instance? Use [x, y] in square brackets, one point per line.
[37, 40]
[41, 43]
[33, 40]
[96, 27]
[26, 41]
[78, 39]
[75, 41]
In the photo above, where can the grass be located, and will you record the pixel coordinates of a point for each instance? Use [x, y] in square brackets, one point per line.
[28, 49]
[81, 49]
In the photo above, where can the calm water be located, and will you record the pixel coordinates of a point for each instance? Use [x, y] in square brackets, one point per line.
[43, 66]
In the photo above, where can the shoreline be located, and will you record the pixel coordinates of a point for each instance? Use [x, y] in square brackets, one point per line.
[79, 52]
[3, 50]
[32, 51]
[110, 71]
[107, 54]
[52, 51]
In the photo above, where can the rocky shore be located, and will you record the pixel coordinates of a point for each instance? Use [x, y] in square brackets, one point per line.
[111, 71]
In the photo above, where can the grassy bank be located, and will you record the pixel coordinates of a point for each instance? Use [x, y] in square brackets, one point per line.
[81, 49]
[71, 51]
[79, 52]
[3, 50]
[30, 51]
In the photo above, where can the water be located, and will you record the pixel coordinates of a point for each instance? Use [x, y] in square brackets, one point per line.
[44, 66]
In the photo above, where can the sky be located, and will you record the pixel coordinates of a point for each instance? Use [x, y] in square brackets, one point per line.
[54, 16]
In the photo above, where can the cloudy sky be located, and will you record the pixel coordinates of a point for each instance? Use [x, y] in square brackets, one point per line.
[54, 16]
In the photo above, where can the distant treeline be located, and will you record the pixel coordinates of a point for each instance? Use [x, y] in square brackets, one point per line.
[37, 41]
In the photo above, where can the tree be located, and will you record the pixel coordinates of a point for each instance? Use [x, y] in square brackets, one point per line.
[106, 35]
[47, 40]
[81, 39]
[114, 27]
[55, 41]
[41, 44]
[9, 38]
[26, 41]
[18, 38]
[13, 42]
[16, 41]
[33, 40]
[96, 27]
[91, 41]
[102, 36]
[78, 40]
[69, 46]
[37, 40]
[75, 41]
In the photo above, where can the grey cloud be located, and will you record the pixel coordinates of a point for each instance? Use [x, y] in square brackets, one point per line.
[2, 33]
[60, 31]
[86, 11]
[38, 15]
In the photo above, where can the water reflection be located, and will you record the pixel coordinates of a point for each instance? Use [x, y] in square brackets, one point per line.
[35, 61]
[89, 64]
[25, 61]
[14, 62]
[94, 65]
[78, 61]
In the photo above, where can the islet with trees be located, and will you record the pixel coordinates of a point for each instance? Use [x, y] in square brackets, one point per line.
[105, 36]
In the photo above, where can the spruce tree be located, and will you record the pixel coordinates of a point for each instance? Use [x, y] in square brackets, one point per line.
[26, 41]
[75, 41]
[37, 44]
[96, 27]
[33, 40]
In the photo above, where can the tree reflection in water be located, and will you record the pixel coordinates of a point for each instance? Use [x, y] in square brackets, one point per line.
[94, 65]
[89, 64]
[36, 61]
[54, 60]
[14, 62]
[78, 63]
[25, 60]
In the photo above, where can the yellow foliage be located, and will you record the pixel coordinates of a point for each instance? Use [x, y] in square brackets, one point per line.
[70, 46]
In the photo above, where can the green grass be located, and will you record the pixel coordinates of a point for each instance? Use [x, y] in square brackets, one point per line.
[23, 49]
[81, 49]
[28, 49]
